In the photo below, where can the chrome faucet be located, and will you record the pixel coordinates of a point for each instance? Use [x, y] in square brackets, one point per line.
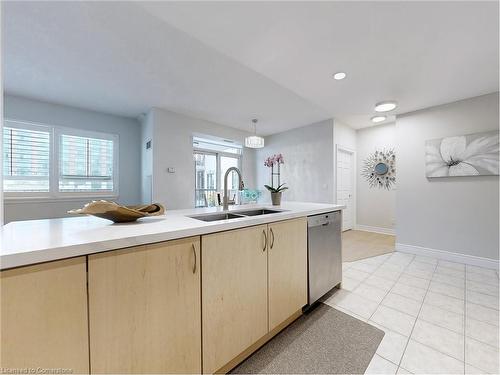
[225, 206]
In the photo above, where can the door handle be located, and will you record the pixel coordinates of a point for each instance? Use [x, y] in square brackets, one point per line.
[195, 260]
[272, 237]
[265, 239]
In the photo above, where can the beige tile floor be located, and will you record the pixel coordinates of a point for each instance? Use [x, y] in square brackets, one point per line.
[438, 317]
[358, 244]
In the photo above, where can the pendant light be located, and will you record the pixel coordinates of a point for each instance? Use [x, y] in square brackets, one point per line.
[254, 141]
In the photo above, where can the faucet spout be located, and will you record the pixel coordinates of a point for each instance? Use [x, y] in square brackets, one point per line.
[241, 185]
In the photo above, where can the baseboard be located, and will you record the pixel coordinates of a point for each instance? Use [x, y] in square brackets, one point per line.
[448, 255]
[380, 230]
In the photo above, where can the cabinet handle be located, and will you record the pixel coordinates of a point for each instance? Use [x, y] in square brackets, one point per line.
[194, 253]
[272, 237]
[265, 239]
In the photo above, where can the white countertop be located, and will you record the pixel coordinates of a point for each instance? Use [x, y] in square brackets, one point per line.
[35, 241]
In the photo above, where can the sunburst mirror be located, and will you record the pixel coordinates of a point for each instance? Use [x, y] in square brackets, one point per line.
[379, 169]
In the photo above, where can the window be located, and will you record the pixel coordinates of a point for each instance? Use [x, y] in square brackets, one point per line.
[86, 164]
[227, 162]
[26, 159]
[56, 162]
[212, 158]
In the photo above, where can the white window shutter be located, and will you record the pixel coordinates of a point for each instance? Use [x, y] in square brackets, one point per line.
[86, 164]
[26, 160]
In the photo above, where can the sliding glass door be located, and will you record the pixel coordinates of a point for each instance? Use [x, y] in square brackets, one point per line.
[205, 179]
[210, 168]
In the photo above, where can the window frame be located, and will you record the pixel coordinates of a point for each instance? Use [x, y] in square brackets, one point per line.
[55, 131]
[58, 131]
[16, 124]
[218, 155]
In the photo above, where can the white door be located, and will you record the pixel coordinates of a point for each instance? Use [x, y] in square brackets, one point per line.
[345, 189]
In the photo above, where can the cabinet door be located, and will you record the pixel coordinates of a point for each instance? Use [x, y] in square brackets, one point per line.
[44, 316]
[287, 269]
[144, 306]
[234, 293]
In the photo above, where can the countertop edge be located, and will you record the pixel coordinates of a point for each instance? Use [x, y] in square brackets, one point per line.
[25, 258]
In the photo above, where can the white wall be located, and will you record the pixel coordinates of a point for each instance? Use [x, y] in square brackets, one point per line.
[1, 130]
[308, 169]
[147, 129]
[128, 130]
[376, 207]
[454, 214]
[345, 138]
[173, 147]
[344, 135]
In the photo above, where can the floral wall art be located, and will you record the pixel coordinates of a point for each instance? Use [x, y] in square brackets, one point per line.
[465, 155]
[379, 169]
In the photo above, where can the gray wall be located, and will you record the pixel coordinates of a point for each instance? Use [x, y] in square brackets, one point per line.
[375, 207]
[456, 214]
[128, 130]
[173, 147]
[308, 169]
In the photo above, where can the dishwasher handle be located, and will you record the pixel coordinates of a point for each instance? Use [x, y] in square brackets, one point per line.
[322, 220]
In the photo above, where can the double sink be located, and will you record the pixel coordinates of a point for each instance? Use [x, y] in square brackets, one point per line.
[235, 215]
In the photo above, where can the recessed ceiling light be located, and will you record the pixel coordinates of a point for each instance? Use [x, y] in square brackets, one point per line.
[377, 119]
[385, 106]
[339, 75]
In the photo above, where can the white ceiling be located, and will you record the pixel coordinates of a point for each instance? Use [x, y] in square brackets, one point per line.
[118, 58]
[229, 61]
[418, 53]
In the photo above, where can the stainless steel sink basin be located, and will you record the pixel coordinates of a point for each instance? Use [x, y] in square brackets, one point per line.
[263, 211]
[236, 215]
[217, 217]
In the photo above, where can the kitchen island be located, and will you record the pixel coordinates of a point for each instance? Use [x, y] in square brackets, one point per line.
[167, 294]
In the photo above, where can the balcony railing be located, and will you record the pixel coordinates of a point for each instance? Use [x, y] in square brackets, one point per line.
[208, 197]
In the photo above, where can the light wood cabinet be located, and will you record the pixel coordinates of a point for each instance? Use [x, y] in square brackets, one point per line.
[144, 306]
[287, 269]
[234, 293]
[253, 280]
[158, 308]
[44, 316]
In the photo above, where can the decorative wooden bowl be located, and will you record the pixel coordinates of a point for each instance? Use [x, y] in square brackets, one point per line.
[117, 213]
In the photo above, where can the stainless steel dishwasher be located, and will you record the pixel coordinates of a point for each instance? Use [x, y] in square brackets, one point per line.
[324, 243]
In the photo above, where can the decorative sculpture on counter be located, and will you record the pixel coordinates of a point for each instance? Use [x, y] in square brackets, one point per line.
[380, 169]
[250, 196]
[117, 213]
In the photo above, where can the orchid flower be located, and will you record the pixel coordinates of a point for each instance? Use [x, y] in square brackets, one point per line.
[271, 161]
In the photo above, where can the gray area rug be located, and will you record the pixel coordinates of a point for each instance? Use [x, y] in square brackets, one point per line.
[323, 341]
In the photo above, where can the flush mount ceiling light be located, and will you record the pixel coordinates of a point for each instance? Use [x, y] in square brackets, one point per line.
[254, 141]
[339, 75]
[377, 119]
[385, 106]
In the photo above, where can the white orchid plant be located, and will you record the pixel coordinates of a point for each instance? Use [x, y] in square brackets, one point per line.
[271, 162]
